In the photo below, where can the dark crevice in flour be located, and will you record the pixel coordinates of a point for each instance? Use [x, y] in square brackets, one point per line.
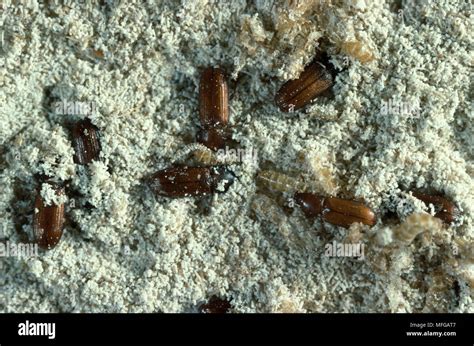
[22, 205]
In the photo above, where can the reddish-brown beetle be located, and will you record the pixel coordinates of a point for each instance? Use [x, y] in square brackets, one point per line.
[85, 140]
[297, 93]
[213, 138]
[338, 211]
[445, 210]
[185, 181]
[48, 221]
[213, 108]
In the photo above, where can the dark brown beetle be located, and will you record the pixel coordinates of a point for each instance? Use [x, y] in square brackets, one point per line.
[338, 211]
[215, 305]
[297, 93]
[213, 108]
[185, 181]
[445, 210]
[213, 138]
[86, 143]
[48, 221]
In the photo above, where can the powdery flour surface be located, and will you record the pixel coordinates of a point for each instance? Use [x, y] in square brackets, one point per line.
[126, 250]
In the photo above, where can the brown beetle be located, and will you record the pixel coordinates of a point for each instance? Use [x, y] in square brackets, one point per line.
[48, 221]
[338, 211]
[185, 181]
[213, 108]
[213, 98]
[445, 210]
[297, 93]
[85, 140]
[213, 138]
[215, 305]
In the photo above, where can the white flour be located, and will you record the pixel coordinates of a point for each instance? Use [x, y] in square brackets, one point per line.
[126, 250]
